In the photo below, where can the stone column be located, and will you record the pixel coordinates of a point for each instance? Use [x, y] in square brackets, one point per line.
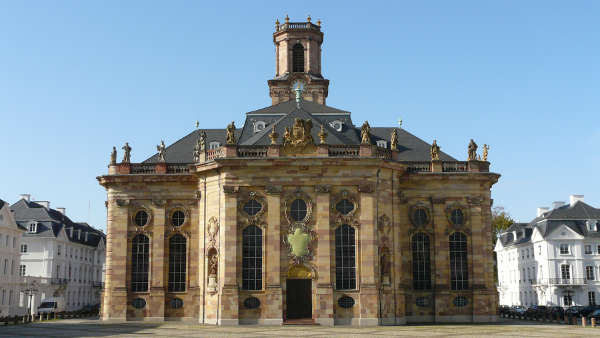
[324, 301]
[441, 263]
[369, 259]
[115, 295]
[274, 306]
[157, 284]
[228, 265]
[401, 253]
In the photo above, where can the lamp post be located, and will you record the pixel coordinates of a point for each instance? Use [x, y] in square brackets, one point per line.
[30, 291]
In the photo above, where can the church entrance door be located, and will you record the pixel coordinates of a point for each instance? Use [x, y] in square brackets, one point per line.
[299, 298]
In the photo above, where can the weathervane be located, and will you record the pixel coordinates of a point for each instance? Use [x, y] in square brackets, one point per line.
[400, 123]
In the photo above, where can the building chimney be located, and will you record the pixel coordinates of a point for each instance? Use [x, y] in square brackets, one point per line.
[557, 204]
[542, 210]
[26, 197]
[62, 210]
[574, 199]
[45, 204]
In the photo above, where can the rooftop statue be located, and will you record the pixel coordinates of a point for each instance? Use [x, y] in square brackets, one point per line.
[273, 136]
[202, 141]
[230, 134]
[472, 151]
[287, 138]
[127, 153]
[435, 151]
[113, 156]
[394, 141]
[364, 133]
[322, 135]
[486, 148]
[161, 151]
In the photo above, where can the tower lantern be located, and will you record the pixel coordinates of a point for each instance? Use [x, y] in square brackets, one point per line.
[298, 57]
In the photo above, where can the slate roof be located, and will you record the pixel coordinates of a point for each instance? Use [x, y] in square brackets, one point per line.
[574, 217]
[282, 115]
[50, 222]
[2, 203]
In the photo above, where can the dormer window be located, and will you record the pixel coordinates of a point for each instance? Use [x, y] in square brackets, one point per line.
[592, 225]
[337, 125]
[259, 126]
[214, 145]
[32, 228]
[382, 144]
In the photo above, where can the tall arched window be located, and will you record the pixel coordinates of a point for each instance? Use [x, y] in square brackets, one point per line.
[252, 258]
[298, 58]
[459, 274]
[345, 258]
[177, 265]
[420, 264]
[140, 256]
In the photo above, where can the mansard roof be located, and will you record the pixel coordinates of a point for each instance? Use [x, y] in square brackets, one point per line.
[282, 115]
[574, 217]
[50, 222]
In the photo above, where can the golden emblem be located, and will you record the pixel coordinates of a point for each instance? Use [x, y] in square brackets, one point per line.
[300, 135]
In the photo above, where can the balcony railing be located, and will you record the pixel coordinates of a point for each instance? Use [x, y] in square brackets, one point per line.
[297, 25]
[59, 281]
[151, 168]
[560, 281]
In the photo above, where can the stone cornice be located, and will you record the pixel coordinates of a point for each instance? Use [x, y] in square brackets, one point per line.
[108, 180]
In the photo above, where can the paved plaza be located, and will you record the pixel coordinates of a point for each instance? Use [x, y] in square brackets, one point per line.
[95, 328]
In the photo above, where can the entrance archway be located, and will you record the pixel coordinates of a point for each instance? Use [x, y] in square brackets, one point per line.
[299, 293]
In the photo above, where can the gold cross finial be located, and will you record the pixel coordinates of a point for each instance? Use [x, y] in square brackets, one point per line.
[287, 19]
[309, 18]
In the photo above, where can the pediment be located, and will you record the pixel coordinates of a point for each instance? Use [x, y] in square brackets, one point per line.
[563, 232]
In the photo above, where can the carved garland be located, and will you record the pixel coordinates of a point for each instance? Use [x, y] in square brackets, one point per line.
[257, 219]
[298, 194]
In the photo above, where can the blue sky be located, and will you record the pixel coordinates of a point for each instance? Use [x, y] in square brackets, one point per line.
[77, 77]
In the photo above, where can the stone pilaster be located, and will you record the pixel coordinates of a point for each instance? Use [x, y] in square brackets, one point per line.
[369, 297]
[228, 265]
[115, 295]
[274, 309]
[157, 284]
[324, 295]
[441, 263]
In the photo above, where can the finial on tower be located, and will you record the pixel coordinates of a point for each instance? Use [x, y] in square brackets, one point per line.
[276, 24]
[287, 19]
[309, 18]
[319, 22]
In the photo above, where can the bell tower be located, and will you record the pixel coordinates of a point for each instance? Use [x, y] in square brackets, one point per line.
[298, 57]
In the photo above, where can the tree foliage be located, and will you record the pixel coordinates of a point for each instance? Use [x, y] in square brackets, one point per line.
[501, 220]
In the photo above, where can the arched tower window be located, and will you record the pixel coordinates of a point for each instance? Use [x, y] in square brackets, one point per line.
[140, 256]
[252, 258]
[345, 258]
[459, 275]
[420, 263]
[177, 265]
[298, 58]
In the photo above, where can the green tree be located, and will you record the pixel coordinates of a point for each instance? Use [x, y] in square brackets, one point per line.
[501, 220]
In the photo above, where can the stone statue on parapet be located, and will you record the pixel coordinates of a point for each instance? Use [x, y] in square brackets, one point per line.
[394, 140]
[472, 151]
[202, 141]
[364, 133]
[230, 134]
[273, 136]
[435, 151]
[287, 138]
[126, 153]
[486, 148]
[322, 135]
[161, 151]
[113, 156]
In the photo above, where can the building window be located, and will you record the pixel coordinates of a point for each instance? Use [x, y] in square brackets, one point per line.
[33, 228]
[141, 218]
[214, 145]
[6, 266]
[22, 270]
[344, 207]
[259, 126]
[421, 266]
[420, 217]
[58, 250]
[337, 125]
[567, 300]
[459, 275]
[564, 249]
[345, 258]
[527, 252]
[539, 249]
[178, 218]
[565, 273]
[298, 210]
[177, 263]
[23, 248]
[140, 249]
[589, 273]
[588, 249]
[457, 217]
[591, 298]
[252, 207]
[298, 58]
[252, 258]
[382, 144]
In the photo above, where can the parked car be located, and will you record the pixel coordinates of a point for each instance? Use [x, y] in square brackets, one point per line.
[503, 310]
[574, 311]
[535, 312]
[587, 310]
[517, 311]
[51, 305]
[556, 312]
[594, 314]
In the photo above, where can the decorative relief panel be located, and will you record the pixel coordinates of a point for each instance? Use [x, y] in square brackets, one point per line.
[344, 207]
[298, 195]
[252, 209]
[300, 241]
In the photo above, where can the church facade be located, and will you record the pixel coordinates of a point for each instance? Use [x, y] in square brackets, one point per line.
[300, 216]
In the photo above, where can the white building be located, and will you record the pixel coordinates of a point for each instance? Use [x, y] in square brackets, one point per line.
[554, 259]
[61, 257]
[10, 259]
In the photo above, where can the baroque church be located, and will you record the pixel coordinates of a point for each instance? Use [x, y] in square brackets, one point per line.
[300, 216]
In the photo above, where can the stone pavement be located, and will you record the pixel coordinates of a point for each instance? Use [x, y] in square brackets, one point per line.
[95, 328]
